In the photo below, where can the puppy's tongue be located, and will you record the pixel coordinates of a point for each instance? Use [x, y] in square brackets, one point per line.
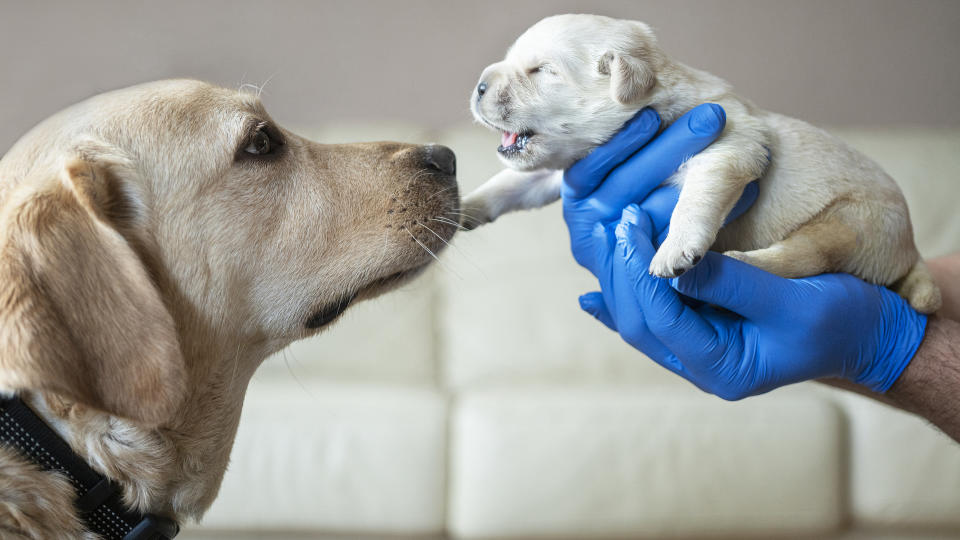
[508, 139]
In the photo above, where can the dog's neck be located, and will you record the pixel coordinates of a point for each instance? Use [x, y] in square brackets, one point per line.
[175, 469]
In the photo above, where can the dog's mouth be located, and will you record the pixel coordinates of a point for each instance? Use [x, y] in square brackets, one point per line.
[513, 143]
[329, 313]
[332, 311]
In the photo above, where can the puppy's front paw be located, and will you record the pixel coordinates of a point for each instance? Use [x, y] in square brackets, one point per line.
[474, 212]
[674, 258]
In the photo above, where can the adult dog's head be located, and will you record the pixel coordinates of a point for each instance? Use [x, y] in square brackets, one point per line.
[566, 85]
[158, 241]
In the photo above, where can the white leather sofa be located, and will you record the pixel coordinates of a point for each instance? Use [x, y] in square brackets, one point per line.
[480, 402]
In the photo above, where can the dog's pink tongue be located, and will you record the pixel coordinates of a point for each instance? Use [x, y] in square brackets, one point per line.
[508, 139]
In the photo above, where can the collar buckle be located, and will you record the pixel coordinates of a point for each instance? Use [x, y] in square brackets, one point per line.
[154, 527]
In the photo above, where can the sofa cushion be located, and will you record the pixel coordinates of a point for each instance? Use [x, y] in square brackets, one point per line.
[903, 471]
[627, 461]
[336, 457]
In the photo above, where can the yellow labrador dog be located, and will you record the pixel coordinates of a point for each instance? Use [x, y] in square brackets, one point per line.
[156, 244]
[571, 81]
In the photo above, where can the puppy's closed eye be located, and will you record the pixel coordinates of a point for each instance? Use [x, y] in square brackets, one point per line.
[541, 68]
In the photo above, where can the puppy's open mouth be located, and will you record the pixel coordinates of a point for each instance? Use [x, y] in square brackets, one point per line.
[512, 143]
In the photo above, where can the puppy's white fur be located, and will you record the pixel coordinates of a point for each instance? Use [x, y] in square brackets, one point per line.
[571, 81]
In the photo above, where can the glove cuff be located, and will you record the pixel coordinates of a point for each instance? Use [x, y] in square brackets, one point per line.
[899, 337]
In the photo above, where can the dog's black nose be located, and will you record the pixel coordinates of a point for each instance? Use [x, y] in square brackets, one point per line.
[441, 158]
[481, 89]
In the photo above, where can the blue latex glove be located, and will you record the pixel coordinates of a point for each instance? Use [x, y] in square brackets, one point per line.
[630, 168]
[777, 331]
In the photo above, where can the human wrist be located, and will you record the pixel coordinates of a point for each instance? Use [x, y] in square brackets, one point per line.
[898, 334]
[930, 383]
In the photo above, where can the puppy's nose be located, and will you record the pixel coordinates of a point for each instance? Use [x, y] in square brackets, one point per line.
[481, 89]
[441, 158]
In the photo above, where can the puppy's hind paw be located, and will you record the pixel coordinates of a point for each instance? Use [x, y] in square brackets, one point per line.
[918, 288]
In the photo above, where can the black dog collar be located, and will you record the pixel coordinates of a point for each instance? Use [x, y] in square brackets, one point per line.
[98, 499]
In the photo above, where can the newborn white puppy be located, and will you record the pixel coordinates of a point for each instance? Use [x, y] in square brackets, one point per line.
[571, 81]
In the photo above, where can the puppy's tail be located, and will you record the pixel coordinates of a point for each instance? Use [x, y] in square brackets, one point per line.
[918, 288]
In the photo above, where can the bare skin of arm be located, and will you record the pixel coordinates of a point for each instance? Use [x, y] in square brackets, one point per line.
[930, 386]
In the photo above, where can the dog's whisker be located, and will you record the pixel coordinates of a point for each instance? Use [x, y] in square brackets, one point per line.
[300, 365]
[454, 246]
[251, 86]
[424, 246]
[424, 225]
[465, 216]
[432, 254]
[293, 374]
[444, 190]
[447, 221]
[264, 85]
[242, 79]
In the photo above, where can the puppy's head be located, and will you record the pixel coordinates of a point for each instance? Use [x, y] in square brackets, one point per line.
[153, 236]
[566, 85]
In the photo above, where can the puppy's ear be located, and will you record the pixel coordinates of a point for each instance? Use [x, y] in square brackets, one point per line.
[79, 313]
[630, 65]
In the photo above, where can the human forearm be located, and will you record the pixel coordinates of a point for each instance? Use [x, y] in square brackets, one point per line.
[930, 385]
[946, 272]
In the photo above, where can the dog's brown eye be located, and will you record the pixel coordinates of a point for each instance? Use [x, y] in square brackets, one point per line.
[533, 70]
[260, 143]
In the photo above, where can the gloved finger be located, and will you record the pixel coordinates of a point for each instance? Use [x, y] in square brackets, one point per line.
[580, 228]
[585, 175]
[593, 303]
[737, 286]
[629, 314]
[602, 264]
[677, 326]
[659, 206]
[638, 176]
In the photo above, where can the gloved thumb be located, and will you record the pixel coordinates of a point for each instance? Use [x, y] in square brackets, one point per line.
[593, 303]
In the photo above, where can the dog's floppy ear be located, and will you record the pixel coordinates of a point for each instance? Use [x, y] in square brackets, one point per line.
[79, 313]
[629, 65]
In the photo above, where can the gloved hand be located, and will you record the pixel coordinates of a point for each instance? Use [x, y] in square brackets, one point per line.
[630, 167]
[780, 331]
[777, 331]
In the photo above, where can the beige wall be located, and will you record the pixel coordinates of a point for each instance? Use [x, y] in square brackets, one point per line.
[829, 61]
